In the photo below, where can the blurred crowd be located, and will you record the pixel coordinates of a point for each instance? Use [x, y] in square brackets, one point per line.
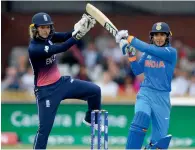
[99, 60]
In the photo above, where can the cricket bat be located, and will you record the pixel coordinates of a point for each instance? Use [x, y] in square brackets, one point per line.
[101, 18]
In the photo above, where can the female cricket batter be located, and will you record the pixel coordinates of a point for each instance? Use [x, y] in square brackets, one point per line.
[153, 101]
[50, 87]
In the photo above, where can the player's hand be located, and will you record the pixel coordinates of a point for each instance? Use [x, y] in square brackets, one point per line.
[83, 26]
[131, 53]
[123, 46]
[128, 50]
[91, 20]
[122, 34]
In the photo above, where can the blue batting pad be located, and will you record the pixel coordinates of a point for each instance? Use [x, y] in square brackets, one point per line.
[162, 143]
[138, 130]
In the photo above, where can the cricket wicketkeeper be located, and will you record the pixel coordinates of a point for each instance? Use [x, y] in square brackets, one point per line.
[50, 87]
[153, 100]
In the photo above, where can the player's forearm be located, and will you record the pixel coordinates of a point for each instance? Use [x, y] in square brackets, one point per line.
[161, 52]
[55, 49]
[138, 44]
[61, 36]
[136, 68]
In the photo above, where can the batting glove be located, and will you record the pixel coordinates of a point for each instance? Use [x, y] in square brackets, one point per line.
[122, 34]
[128, 50]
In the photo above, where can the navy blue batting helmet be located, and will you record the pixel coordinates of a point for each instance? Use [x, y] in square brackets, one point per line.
[41, 19]
[161, 27]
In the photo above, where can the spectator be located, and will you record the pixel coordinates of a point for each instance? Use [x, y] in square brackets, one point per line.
[186, 57]
[188, 63]
[72, 56]
[11, 81]
[102, 40]
[22, 65]
[192, 85]
[16, 53]
[28, 80]
[180, 48]
[91, 55]
[102, 54]
[113, 51]
[108, 87]
[126, 67]
[180, 83]
[137, 82]
[127, 89]
[116, 74]
[82, 75]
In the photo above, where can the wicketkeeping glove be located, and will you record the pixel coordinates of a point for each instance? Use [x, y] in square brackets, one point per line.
[83, 26]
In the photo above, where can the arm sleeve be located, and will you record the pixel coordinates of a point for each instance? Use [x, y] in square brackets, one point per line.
[138, 66]
[165, 53]
[38, 50]
[61, 36]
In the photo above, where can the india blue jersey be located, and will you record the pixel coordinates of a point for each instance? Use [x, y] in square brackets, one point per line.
[157, 64]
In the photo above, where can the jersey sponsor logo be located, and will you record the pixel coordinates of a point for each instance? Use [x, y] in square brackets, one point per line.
[46, 49]
[71, 80]
[50, 42]
[159, 26]
[47, 103]
[50, 60]
[149, 57]
[154, 64]
[167, 49]
[45, 17]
